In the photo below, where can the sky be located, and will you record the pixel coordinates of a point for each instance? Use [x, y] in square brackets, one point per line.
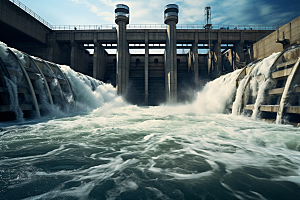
[225, 12]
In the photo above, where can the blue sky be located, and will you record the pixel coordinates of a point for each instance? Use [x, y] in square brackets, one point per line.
[226, 12]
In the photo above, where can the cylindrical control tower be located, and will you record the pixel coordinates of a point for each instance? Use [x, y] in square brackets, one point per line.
[122, 71]
[171, 19]
[171, 13]
[122, 13]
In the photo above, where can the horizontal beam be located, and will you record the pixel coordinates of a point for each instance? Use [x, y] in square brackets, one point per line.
[274, 108]
[281, 73]
[276, 91]
[285, 64]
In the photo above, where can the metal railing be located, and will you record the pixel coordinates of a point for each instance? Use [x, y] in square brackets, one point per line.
[164, 26]
[30, 12]
[85, 27]
[244, 27]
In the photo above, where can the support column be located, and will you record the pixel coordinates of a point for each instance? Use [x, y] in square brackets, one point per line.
[171, 19]
[146, 67]
[73, 55]
[217, 57]
[122, 19]
[209, 54]
[99, 61]
[239, 55]
[239, 51]
[52, 46]
[195, 58]
[79, 58]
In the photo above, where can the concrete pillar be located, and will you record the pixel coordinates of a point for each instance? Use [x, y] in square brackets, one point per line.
[122, 19]
[195, 57]
[209, 55]
[217, 57]
[238, 54]
[146, 67]
[74, 54]
[239, 51]
[79, 57]
[171, 19]
[127, 69]
[52, 46]
[99, 61]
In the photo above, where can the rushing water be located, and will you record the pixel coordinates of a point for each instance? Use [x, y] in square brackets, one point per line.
[104, 148]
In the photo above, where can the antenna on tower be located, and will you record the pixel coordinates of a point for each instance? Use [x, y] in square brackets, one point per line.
[207, 17]
[208, 27]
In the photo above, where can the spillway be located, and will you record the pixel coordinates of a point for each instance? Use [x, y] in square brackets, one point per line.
[269, 88]
[33, 88]
[73, 137]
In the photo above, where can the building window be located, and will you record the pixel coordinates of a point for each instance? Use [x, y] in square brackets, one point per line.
[156, 60]
[178, 60]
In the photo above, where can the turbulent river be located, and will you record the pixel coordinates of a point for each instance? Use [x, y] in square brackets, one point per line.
[104, 148]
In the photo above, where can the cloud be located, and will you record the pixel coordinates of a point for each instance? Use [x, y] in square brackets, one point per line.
[235, 12]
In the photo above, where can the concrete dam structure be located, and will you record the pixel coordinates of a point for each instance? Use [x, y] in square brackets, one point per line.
[147, 79]
[143, 79]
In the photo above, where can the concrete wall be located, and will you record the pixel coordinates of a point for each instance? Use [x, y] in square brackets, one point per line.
[136, 84]
[79, 60]
[110, 75]
[16, 18]
[55, 53]
[268, 45]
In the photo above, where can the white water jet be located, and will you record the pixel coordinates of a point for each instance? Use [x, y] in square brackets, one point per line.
[85, 95]
[3, 51]
[262, 69]
[217, 94]
[13, 98]
[236, 106]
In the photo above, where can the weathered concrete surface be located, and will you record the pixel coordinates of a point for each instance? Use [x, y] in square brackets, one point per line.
[99, 61]
[160, 35]
[21, 21]
[268, 45]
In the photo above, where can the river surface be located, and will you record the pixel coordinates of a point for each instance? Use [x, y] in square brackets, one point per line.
[104, 148]
[165, 152]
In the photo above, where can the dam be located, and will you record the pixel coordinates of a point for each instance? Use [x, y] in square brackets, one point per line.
[143, 79]
[67, 134]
